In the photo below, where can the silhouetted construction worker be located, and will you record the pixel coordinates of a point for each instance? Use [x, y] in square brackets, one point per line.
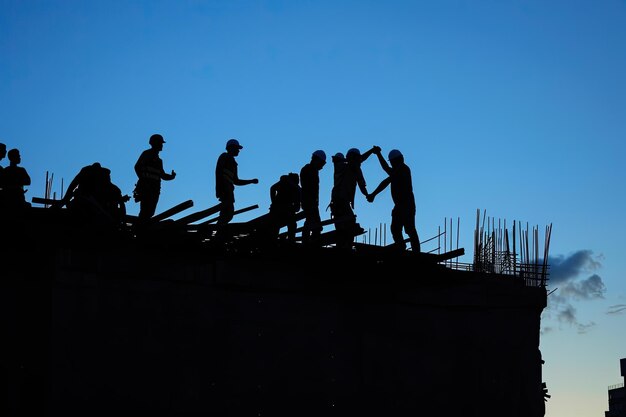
[85, 185]
[92, 196]
[310, 184]
[114, 201]
[348, 175]
[403, 212]
[339, 164]
[285, 196]
[226, 178]
[14, 179]
[149, 170]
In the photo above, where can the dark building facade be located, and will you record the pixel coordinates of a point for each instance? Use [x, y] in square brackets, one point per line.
[169, 327]
[617, 395]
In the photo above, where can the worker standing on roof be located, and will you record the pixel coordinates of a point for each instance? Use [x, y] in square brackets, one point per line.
[403, 212]
[310, 184]
[226, 178]
[286, 197]
[14, 179]
[92, 196]
[149, 170]
[348, 175]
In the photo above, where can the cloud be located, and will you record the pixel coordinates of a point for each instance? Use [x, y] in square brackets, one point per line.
[587, 289]
[584, 328]
[567, 315]
[574, 280]
[564, 313]
[617, 309]
[563, 269]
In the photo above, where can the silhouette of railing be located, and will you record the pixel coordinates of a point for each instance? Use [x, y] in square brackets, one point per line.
[495, 253]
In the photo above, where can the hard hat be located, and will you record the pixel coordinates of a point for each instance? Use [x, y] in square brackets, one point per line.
[338, 157]
[320, 154]
[353, 152]
[156, 138]
[233, 143]
[394, 153]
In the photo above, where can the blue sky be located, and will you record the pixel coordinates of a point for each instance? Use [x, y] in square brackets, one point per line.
[517, 108]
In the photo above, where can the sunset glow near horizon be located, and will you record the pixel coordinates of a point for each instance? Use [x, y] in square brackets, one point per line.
[516, 109]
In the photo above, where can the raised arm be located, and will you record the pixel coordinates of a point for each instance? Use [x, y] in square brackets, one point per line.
[365, 155]
[383, 164]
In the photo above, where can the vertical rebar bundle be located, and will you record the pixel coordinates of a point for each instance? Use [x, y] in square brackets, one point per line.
[492, 252]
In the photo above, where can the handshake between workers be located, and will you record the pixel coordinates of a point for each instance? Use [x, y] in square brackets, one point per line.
[385, 166]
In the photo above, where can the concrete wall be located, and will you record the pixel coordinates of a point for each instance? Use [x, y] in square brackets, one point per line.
[316, 334]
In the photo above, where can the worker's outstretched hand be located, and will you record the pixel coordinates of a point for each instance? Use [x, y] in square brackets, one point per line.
[370, 198]
[376, 149]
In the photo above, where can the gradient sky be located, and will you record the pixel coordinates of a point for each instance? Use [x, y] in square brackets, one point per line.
[516, 108]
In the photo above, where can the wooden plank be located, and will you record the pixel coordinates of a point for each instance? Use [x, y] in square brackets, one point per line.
[449, 255]
[330, 238]
[45, 201]
[172, 211]
[323, 223]
[206, 225]
[199, 215]
[264, 218]
[243, 210]
[429, 257]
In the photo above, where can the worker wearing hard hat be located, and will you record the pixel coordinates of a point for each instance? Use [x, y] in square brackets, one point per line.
[310, 185]
[149, 170]
[403, 212]
[226, 178]
[348, 175]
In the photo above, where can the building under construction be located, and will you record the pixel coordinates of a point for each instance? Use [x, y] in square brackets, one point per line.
[101, 321]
